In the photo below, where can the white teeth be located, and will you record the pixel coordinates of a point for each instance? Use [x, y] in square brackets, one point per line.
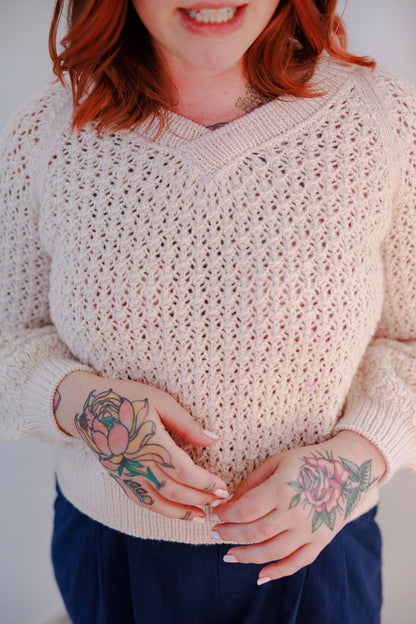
[213, 16]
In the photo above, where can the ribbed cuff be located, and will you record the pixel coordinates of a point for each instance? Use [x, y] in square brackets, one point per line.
[388, 426]
[37, 402]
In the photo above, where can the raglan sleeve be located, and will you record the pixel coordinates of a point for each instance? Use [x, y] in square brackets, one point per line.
[381, 401]
[33, 359]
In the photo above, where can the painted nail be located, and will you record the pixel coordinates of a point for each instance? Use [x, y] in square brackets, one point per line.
[230, 559]
[211, 435]
[264, 579]
[215, 518]
[217, 502]
[221, 493]
[221, 502]
[215, 535]
[198, 519]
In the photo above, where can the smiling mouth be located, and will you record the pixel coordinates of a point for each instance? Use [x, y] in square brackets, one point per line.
[212, 16]
[213, 22]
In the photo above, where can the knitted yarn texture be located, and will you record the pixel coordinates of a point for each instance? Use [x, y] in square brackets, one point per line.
[263, 274]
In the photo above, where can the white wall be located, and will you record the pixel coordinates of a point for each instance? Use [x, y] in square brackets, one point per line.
[28, 595]
[384, 29]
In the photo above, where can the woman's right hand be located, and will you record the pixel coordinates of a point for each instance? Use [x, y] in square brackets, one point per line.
[124, 423]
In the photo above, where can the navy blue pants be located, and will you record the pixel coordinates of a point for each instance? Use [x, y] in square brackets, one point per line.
[107, 577]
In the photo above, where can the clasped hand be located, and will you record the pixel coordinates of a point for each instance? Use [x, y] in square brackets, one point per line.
[294, 504]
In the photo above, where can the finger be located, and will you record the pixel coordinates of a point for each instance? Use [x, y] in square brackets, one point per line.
[304, 556]
[260, 474]
[253, 532]
[185, 471]
[252, 505]
[146, 496]
[176, 418]
[277, 547]
[169, 488]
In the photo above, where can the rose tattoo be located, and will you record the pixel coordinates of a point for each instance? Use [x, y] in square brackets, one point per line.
[325, 483]
[117, 430]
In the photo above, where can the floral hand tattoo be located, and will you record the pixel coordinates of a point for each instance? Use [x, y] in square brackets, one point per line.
[116, 429]
[325, 483]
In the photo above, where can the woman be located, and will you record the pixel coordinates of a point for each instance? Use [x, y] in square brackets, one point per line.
[208, 300]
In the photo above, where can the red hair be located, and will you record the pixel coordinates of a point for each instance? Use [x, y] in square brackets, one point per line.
[118, 79]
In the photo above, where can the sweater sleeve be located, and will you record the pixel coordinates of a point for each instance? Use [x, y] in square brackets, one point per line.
[33, 359]
[381, 403]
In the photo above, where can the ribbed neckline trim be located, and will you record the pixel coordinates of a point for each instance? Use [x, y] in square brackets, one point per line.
[329, 75]
[215, 148]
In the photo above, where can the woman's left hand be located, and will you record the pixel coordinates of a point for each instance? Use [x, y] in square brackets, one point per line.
[293, 505]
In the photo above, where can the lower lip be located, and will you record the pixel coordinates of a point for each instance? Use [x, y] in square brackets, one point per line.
[199, 28]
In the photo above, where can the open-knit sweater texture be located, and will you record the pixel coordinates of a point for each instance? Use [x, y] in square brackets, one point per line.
[263, 274]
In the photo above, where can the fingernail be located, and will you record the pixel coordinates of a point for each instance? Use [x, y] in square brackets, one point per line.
[198, 519]
[264, 579]
[221, 502]
[216, 503]
[215, 518]
[211, 435]
[230, 559]
[215, 535]
[221, 493]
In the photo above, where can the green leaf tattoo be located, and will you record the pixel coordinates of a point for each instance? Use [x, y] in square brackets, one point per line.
[352, 469]
[296, 486]
[140, 492]
[365, 474]
[317, 520]
[352, 500]
[295, 500]
[326, 482]
[136, 488]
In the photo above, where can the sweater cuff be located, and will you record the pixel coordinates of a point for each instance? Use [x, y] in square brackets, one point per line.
[37, 401]
[386, 426]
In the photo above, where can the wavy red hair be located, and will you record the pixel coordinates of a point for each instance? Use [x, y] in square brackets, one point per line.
[118, 79]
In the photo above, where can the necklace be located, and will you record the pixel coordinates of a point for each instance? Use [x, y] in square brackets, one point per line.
[215, 126]
[247, 103]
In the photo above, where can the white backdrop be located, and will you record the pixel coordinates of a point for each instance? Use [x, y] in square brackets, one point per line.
[28, 594]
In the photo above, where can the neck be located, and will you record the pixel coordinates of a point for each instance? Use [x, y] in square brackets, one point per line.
[212, 98]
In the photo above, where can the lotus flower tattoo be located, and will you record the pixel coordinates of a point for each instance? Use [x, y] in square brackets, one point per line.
[117, 430]
[326, 482]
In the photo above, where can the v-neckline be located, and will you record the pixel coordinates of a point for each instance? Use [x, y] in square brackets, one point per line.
[254, 128]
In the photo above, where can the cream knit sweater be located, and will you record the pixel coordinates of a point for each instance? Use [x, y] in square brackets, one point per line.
[263, 274]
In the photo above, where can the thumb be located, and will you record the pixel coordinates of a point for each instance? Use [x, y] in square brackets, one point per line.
[258, 475]
[176, 418]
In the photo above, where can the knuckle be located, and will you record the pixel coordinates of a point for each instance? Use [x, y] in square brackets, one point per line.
[290, 568]
[275, 553]
[190, 426]
[159, 507]
[244, 486]
[308, 561]
[285, 489]
[250, 535]
[267, 529]
[320, 543]
[298, 515]
[310, 557]
[173, 494]
[242, 514]
[180, 473]
[247, 514]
